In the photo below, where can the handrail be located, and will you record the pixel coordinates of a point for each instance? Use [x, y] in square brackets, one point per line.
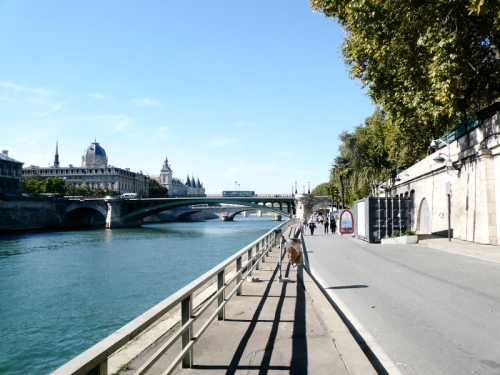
[97, 355]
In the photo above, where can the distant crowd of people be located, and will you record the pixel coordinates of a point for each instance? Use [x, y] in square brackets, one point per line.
[321, 221]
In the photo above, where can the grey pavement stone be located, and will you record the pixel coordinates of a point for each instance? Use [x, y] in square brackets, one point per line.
[272, 328]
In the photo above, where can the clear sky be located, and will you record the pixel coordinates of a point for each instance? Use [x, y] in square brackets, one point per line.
[247, 91]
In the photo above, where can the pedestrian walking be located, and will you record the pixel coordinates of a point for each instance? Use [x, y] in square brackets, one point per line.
[312, 225]
[320, 219]
[303, 225]
[333, 225]
[326, 225]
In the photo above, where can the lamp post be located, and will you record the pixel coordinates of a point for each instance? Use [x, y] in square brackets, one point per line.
[295, 187]
[446, 187]
[308, 187]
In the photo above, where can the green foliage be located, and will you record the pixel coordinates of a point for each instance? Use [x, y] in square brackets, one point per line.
[111, 192]
[364, 159]
[55, 185]
[98, 192]
[321, 189]
[409, 232]
[83, 191]
[395, 234]
[428, 64]
[155, 189]
[33, 187]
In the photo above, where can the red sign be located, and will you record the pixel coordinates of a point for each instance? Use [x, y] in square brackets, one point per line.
[346, 222]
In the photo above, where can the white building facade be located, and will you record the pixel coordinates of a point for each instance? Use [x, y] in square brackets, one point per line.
[177, 186]
[475, 183]
[95, 172]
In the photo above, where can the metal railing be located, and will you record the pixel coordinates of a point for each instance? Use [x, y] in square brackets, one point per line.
[221, 196]
[96, 358]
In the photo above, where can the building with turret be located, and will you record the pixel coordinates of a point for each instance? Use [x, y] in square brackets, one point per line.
[176, 186]
[94, 172]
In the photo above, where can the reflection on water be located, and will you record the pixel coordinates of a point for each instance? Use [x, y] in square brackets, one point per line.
[61, 292]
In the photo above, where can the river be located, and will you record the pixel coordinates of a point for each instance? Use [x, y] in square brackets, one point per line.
[63, 291]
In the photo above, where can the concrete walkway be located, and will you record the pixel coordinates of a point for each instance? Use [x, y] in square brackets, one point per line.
[421, 310]
[272, 328]
[488, 252]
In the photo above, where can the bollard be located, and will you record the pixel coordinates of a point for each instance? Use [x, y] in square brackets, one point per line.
[220, 298]
[238, 278]
[186, 312]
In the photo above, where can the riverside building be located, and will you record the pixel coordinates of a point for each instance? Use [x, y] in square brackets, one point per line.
[177, 186]
[10, 174]
[94, 172]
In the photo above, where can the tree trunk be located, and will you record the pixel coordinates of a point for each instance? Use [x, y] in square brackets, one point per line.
[342, 190]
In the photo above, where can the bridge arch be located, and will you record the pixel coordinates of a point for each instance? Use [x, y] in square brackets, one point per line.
[84, 215]
[167, 204]
[185, 215]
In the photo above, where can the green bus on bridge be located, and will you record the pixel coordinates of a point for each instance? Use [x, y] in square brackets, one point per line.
[228, 193]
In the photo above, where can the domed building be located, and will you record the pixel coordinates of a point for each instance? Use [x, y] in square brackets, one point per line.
[95, 172]
[94, 155]
[177, 186]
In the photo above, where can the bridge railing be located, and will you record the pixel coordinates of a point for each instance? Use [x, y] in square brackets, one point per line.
[95, 359]
[222, 196]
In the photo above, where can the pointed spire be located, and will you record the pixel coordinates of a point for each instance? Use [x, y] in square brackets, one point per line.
[56, 159]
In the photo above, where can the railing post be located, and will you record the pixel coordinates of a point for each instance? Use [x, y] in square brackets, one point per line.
[257, 248]
[249, 262]
[238, 278]
[220, 298]
[186, 311]
[103, 367]
[264, 251]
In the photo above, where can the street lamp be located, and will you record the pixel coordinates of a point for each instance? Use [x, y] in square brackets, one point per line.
[446, 186]
[295, 187]
[308, 187]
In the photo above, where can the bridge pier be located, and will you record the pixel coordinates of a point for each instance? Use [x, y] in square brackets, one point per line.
[306, 204]
[277, 217]
[113, 218]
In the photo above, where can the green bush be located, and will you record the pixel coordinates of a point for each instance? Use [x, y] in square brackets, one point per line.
[395, 234]
[409, 232]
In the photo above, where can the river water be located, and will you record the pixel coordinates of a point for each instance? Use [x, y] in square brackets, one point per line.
[62, 292]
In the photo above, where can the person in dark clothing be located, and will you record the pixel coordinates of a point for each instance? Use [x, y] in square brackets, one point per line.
[333, 225]
[326, 224]
[312, 225]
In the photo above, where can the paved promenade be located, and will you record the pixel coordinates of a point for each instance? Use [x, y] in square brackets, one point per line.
[272, 328]
[429, 311]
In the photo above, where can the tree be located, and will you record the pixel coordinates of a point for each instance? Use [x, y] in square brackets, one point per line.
[340, 170]
[82, 191]
[111, 192]
[321, 189]
[334, 193]
[55, 185]
[98, 192]
[155, 189]
[429, 65]
[33, 187]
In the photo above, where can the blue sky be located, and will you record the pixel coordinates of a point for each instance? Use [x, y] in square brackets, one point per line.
[250, 91]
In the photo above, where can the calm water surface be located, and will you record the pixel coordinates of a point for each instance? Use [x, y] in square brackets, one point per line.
[62, 292]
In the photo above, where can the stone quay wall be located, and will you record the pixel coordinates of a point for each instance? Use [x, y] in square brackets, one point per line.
[19, 215]
[475, 187]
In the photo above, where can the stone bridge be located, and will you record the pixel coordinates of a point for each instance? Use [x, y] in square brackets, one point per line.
[36, 213]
